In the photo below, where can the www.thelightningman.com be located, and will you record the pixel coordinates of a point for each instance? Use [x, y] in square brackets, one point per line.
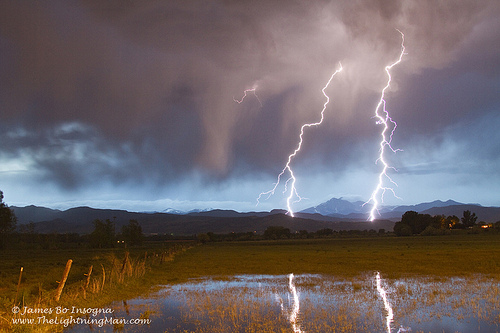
[70, 316]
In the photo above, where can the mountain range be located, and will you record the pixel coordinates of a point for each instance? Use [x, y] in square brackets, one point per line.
[336, 214]
[339, 206]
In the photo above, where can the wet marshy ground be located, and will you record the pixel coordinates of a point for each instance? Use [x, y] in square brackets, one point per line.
[316, 303]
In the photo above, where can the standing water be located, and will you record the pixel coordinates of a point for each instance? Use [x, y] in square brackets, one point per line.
[315, 303]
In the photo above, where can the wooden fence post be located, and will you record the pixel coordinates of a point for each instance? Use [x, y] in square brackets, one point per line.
[63, 280]
[103, 277]
[19, 284]
[87, 282]
[125, 260]
[88, 276]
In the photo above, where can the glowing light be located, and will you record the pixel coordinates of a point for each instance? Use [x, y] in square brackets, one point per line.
[387, 305]
[253, 90]
[390, 314]
[383, 118]
[295, 305]
[292, 180]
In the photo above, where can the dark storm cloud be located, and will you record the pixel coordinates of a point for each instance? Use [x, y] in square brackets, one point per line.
[150, 84]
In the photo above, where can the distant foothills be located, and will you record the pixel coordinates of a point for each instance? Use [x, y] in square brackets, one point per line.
[335, 214]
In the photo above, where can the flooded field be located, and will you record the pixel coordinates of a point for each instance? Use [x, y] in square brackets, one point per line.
[315, 303]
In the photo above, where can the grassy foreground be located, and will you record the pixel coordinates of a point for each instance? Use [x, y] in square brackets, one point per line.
[117, 274]
[115, 278]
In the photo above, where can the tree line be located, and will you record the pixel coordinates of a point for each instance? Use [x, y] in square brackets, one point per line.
[7, 221]
[413, 223]
[283, 233]
[103, 235]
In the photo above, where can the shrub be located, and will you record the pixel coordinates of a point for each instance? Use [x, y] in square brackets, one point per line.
[431, 231]
[402, 229]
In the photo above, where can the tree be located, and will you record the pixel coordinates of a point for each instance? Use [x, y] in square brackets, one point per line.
[132, 233]
[203, 238]
[27, 232]
[469, 219]
[417, 222]
[432, 231]
[277, 232]
[103, 234]
[8, 221]
[402, 229]
[452, 222]
[303, 234]
[324, 232]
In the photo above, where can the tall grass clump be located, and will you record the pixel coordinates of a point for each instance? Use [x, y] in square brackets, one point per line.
[96, 278]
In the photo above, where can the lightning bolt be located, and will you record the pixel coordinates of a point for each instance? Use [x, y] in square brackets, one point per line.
[390, 314]
[252, 90]
[287, 168]
[295, 305]
[383, 118]
[387, 305]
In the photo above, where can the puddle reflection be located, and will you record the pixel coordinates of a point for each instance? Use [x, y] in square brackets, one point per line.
[387, 305]
[294, 304]
[317, 303]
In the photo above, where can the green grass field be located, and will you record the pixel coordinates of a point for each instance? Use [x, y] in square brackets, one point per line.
[394, 257]
[458, 255]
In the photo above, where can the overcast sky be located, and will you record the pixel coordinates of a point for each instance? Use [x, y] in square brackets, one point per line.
[130, 104]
